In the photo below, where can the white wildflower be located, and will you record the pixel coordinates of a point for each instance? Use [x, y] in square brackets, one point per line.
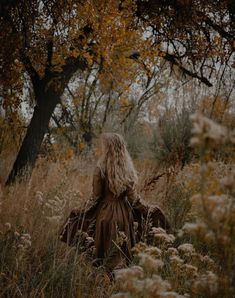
[165, 238]
[204, 128]
[215, 200]
[218, 206]
[232, 136]
[139, 247]
[193, 228]
[121, 238]
[161, 235]
[39, 197]
[27, 243]
[229, 181]
[156, 284]
[158, 230]
[26, 236]
[8, 225]
[129, 273]
[206, 281]
[153, 251]
[55, 205]
[149, 263]
[206, 259]
[149, 286]
[186, 248]
[136, 225]
[83, 234]
[170, 295]
[172, 251]
[176, 260]
[190, 269]
[138, 286]
[89, 240]
[195, 141]
[25, 240]
[180, 233]
[209, 236]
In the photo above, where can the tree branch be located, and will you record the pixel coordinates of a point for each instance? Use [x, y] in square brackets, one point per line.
[35, 78]
[220, 30]
[174, 61]
[71, 66]
[49, 54]
[69, 139]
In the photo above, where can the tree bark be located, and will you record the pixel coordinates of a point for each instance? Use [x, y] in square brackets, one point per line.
[48, 91]
[33, 139]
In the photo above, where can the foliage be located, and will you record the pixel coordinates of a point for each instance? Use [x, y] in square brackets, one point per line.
[34, 262]
[199, 261]
[192, 32]
[171, 139]
[104, 64]
[178, 205]
[47, 43]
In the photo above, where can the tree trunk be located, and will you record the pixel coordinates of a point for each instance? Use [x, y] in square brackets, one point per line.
[47, 92]
[36, 130]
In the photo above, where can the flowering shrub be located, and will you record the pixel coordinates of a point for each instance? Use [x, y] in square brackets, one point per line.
[34, 262]
[165, 269]
[196, 260]
[199, 260]
[171, 137]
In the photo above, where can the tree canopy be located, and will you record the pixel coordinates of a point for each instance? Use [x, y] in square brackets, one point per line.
[46, 43]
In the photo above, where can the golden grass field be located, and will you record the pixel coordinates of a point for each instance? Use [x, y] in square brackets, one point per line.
[196, 260]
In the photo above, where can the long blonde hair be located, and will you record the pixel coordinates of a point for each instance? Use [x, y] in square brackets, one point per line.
[116, 163]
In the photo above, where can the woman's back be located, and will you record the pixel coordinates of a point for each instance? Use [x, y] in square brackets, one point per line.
[114, 220]
[101, 187]
[113, 208]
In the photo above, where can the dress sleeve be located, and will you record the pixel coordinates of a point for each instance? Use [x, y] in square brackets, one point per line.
[136, 201]
[97, 190]
[98, 184]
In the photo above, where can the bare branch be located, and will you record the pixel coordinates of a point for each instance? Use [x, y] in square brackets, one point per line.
[174, 61]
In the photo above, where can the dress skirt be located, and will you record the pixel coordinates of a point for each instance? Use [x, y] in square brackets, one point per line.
[114, 236]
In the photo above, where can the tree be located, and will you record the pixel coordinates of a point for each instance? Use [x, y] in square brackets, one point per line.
[198, 36]
[47, 42]
[89, 106]
[53, 40]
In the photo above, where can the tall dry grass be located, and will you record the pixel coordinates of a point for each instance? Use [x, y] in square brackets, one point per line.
[34, 262]
[199, 259]
[196, 260]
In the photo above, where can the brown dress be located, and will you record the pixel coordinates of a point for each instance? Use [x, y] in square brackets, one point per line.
[110, 221]
[114, 229]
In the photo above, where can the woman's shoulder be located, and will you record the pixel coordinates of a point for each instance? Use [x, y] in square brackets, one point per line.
[98, 171]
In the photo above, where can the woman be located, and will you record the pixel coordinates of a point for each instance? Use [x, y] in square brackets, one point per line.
[114, 207]
[114, 181]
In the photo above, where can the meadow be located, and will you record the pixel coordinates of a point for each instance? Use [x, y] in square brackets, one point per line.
[195, 260]
[161, 74]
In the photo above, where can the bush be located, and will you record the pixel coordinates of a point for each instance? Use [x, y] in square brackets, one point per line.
[34, 262]
[171, 139]
[199, 260]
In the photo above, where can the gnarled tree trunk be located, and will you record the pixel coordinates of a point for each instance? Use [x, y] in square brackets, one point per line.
[48, 91]
[33, 139]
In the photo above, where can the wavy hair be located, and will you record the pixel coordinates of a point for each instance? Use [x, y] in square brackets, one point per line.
[116, 164]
